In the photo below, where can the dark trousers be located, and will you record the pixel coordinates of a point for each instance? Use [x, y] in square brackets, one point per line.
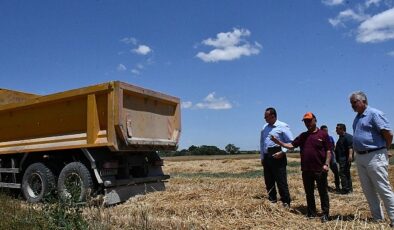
[344, 174]
[334, 169]
[309, 178]
[275, 173]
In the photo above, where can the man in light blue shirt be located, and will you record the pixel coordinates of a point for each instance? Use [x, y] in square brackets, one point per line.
[372, 137]
[273, 157]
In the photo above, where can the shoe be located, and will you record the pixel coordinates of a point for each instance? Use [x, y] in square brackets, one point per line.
[311, 215]
[345, 192]
[286, 205]
[324, 218]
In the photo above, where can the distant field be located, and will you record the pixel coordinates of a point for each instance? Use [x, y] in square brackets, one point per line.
[212, 157]
[236, 156]
[221, 157]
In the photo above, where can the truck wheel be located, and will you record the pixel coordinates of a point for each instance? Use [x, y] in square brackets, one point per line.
[38, 181]
[75, 182]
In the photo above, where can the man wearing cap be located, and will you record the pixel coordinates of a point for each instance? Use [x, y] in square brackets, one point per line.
[273, 158]
[372, 137]
[315, 157]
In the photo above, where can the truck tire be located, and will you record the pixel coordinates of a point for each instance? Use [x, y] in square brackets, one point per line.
[38, 182]
[75, 182]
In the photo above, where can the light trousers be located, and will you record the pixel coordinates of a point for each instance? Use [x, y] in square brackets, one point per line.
[373, 173]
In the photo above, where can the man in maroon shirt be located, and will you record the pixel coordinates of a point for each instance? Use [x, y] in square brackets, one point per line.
[315, 157]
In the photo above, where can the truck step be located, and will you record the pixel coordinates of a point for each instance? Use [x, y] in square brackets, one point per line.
[9, 185]
[9, 170]
[135, 181]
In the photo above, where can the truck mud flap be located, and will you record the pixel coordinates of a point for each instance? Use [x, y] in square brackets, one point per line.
[119, 194]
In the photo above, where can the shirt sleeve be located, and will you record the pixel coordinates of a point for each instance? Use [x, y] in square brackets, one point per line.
[297, 141]
[349, 140]
[381, 122]
[261, 145]
[287, 137]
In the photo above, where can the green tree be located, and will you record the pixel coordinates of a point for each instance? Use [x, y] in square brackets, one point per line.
[192, 148]
[231, 149]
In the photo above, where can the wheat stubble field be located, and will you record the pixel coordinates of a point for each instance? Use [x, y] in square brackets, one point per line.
[220, 193]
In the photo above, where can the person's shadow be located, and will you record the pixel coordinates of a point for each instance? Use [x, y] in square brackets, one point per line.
[303, 210]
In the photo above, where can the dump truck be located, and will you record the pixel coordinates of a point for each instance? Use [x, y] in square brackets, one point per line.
[96, 141]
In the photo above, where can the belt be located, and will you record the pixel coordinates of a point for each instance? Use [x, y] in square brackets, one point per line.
[370, 150]
[273, 150]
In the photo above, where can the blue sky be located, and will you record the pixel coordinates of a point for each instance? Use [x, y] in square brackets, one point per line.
[226, 60]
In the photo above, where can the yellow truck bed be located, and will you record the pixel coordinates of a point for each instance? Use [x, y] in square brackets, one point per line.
[114, 114]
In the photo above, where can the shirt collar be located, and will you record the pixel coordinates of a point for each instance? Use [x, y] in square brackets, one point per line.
[276, 123]
[365, 113]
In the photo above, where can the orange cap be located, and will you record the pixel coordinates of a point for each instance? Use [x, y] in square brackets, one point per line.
[308, 116]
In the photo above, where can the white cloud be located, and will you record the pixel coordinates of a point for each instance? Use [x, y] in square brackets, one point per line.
[137, 69]
[391, 53]
[227, 39]
[137, 48]
[347, 15]
[368, 3]
[333, 2]
[121, 68]
[129, 40]
[186, 104]
[211, 102]
[378, 28]
[135, 72]
[142, 49]
[229, 46]
[228, 53]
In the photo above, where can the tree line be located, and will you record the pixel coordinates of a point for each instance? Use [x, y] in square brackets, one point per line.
[193, 150]
[230, 149]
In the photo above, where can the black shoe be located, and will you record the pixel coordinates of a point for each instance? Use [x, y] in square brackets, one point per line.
[311, 215]
[286, 205]
[324, 218]
[345, 192]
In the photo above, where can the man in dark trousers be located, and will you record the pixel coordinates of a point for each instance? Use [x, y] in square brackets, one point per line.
[333, 162]
[344, 155]
[315, 157]
[273, 158]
